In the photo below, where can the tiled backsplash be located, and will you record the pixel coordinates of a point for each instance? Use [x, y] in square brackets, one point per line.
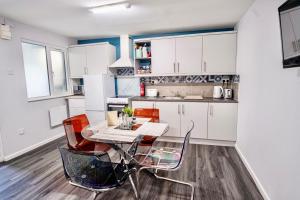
[192, 79]
[184, 85]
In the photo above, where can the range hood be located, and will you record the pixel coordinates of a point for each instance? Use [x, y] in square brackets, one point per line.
[125, 60]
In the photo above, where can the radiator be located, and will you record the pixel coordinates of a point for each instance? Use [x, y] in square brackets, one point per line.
[57, 115]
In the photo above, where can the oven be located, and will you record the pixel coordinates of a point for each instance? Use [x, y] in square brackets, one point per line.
[116, 107]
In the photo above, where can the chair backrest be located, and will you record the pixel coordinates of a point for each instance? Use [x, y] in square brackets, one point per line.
[152, 113]
[185, 144]
[92, 171]
[73, 127]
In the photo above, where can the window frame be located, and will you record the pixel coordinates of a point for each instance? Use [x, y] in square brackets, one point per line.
[50, 48]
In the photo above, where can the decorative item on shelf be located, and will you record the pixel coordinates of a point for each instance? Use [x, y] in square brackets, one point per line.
[138, 51]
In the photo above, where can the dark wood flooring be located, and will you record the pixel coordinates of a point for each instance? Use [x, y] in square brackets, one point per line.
[217, 172]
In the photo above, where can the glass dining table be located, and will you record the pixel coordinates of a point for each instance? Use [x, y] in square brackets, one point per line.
[126, 141]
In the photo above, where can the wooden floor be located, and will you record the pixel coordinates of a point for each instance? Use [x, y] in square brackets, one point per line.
[217, 173]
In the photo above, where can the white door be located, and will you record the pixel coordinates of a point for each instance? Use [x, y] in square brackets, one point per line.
[219, 54]
[198, 113]
[189, 55]
[288, 36]
[295, 17]
[95, 117]
[97, 59]
[94, 93]
[143, 104]
[77, 61]
[163, 56]
[222, 121]
[169, 112]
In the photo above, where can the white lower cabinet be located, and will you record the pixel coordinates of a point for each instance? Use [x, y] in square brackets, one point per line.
[143, 104]
[214, 121]
[222, 121]
[198, 113]
[76, 107]
[169, 112]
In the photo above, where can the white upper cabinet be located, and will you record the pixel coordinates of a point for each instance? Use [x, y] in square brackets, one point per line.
[97, 61]
[219, 53]
[77, 61]
[222, 121]
[163, 56]
[198, 113]
[194, 55]
[189, 55]
[90, 59]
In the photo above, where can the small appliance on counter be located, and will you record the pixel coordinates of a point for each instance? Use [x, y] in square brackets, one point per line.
[228, 93]
[218, 92]
[151, 92]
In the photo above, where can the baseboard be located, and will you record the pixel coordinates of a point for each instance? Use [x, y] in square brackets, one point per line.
[253, 175]
[26, 150]
[198, 141]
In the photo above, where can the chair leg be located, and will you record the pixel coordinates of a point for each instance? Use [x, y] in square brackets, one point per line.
[135, 189]
[176, 181]
[95, 195]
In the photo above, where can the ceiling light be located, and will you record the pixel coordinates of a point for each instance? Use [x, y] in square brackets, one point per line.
[111, 7]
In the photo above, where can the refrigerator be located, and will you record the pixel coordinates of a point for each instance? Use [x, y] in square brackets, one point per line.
[97, 89]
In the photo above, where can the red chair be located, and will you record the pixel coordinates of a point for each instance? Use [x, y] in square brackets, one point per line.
[73, 127]
[147, 113]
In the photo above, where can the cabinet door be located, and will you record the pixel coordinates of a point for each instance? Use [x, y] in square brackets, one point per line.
[288, 36]
[198, 113]
[295, 18]
[163, 56]
[77, 61]
[143, 104]
[222, 121]
[169, 112]
[97, 59]
[189, 55]
[219, 54]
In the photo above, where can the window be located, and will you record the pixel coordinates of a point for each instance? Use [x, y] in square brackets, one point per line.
[45, 71]
[58, 72]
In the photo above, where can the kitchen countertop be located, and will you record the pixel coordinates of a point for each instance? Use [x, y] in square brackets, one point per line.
[75, 97]
[205, 99]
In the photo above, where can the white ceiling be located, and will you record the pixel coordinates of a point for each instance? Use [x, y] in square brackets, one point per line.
[72, 17]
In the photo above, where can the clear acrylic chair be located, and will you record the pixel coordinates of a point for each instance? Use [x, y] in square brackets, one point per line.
[165, 159]
[94, 171]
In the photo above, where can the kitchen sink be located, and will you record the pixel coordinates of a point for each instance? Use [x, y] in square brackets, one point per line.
[173, 98]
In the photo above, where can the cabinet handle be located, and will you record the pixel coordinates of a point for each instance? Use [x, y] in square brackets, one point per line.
[183, 111]
[204, 66]
[211, 111]
[179, 111]
[178, 67]
[294, 46]
[153, 105]
[174, 64]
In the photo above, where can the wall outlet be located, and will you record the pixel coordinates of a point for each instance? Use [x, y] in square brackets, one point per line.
[21, 131]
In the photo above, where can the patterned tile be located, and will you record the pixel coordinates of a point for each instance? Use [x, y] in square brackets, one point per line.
[190, 79]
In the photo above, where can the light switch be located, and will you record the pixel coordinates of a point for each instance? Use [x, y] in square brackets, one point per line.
[21, 131]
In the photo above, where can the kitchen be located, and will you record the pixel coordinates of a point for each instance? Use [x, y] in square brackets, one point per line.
[200, 93]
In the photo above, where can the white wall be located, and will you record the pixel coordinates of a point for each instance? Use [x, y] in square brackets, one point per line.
[269, 108]
[15, 111]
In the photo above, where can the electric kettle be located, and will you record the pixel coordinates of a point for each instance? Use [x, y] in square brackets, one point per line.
[218, 92]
